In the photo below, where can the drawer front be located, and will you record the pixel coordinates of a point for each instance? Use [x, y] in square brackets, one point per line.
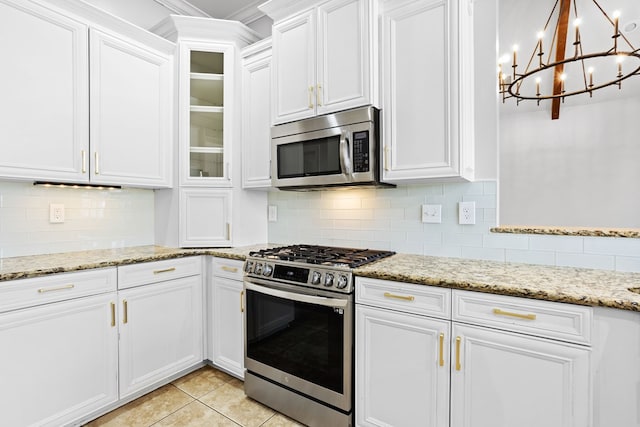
[405, 297]
[553, 320]
[16, 294]
[229, 268]
[144, 273]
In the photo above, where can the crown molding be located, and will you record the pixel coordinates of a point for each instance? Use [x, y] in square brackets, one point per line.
[182, 7]
[248, 14]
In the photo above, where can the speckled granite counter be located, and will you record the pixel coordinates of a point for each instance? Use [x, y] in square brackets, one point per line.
[632, 233]
[40, 265]
[563, 284]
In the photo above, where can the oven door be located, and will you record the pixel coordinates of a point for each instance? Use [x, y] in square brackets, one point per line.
[301, 340]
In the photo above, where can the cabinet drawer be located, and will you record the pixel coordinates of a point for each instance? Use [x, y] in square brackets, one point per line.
[157, 271]
[230, 268]
[24, 293]
[406, 297]
[554, 320]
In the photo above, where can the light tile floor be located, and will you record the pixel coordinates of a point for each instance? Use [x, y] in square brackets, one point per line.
[206, 397]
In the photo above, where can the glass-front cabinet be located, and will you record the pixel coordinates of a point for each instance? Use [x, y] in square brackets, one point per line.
[206, 73]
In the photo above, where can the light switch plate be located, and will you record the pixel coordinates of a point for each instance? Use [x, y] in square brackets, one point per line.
[432, 214]
[273, 213]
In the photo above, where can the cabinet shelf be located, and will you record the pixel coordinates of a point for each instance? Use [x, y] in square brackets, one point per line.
[206, 76]
[207, 150]
[206, 109]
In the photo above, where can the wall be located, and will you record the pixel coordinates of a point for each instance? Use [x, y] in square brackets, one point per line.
[581, 170]
[94, 219]
[390, 219]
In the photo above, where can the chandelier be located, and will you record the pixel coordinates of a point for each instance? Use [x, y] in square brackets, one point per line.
[591, 71]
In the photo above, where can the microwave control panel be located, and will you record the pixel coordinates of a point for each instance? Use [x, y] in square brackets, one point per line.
[361, 151]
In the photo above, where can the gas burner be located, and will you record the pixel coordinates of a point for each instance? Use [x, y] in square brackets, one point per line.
[322, 255]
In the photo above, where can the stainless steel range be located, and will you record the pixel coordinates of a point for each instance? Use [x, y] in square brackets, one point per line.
[299, 330]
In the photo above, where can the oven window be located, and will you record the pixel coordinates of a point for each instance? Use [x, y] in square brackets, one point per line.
[302, 339]
[309, 158]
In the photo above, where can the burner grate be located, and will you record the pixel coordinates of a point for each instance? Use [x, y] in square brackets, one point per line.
[325, 255]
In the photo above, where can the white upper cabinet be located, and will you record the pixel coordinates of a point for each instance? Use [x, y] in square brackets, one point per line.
[206, 112]
[427, 90]
[44, 107]
[256, 115]
[324, 59]
[59, 124]
[130, 106]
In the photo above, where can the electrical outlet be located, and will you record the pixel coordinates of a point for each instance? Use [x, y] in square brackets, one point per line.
[432, 214]
[56, 213]
[467, 213]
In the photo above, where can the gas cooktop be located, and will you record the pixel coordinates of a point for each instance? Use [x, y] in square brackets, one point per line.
[323, 255]
[324, 267]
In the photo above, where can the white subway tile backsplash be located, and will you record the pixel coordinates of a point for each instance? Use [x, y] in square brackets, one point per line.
[506, 241]
[390, 218]
[556, 243]
[530, 257]
[601, 262]
[93, 219]
[628, 264]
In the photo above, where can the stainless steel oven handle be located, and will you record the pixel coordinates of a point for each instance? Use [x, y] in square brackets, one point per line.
[345, 155]
[294, 296]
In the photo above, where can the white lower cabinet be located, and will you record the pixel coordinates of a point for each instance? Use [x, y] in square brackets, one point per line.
[503, 379]
[474, 360]
[59, 361]
[402, 369]
[160, 328]
[226, 337]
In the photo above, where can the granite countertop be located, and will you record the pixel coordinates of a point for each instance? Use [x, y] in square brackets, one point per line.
[563, 284]
[40, 265]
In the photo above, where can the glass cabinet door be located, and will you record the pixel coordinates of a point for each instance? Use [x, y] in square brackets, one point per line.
[206, 154]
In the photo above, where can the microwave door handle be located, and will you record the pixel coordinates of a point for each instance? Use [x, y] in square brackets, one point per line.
[345, 155]
[294, 296]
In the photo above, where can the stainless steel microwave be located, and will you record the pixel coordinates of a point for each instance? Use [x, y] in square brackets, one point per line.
[334, 150]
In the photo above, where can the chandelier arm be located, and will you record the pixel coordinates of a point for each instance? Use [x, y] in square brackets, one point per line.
[612, 23]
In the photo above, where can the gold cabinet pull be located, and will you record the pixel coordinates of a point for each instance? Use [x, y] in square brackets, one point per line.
[164, 270]
[228, 231]
[310, 97]
[402, 297]
[458, 366]
[229, 269]
[499, 312]
[125, 314]
[84, 161]
[113, 314]
[319, 96]
[386, 157]
[57, 288]
[242, 301]
[441, 350]
[97, 165]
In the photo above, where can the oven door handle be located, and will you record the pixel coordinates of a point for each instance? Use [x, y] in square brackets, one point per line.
[294, 296]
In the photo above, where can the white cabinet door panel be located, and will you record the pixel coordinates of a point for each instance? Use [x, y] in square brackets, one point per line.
[44, 107]
[294, 82]
[58, 362]
[130, 113]
[160, 331]
[206, 217]
[505, 379]
[344, 68]
[402, 369]
[227, 325]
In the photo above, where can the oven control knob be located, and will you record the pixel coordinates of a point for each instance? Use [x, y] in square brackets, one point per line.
[258, 269]
[342, 282]
[248, 267]
[315, 278]
[328, 280]
[268, 269]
